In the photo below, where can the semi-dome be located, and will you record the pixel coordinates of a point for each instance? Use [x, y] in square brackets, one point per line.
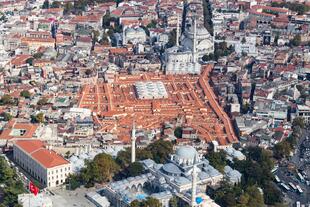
[186, 152]
[171, 169]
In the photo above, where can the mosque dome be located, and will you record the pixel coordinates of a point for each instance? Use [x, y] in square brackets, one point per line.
[171, 169]
[186, 152]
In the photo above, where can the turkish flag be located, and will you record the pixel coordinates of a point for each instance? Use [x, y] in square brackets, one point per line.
[33, 189]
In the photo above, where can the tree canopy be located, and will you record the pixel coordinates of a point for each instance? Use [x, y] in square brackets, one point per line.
[294, 6]
[12, 185]
[25, 94]
[38, 118]
[256, 170]
[7, 100]
[149, 202]
[217, 160]
[101, 169]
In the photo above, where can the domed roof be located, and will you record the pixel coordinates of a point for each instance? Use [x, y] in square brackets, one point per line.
[186, 152]
[171, 168]
[201, 31]
[182, 180]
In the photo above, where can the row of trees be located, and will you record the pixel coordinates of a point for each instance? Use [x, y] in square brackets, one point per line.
[256, 170]
[9, 100]
[217, 160]
[76, 7]
[103, 168]
[228, 195]
[256, 177]
[284, 148]
[11, 186]
[207, 13]
[149, 202]
[300, 8]
[220, 50]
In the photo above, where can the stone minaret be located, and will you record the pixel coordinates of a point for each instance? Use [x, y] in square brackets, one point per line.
[194, 41]
[133, 143]
[178, 33]
[194, 183]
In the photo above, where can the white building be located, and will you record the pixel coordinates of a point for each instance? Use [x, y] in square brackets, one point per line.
[186, 176]
[134, 36]
[45, 165]
[304, 112]
[151, 90]
[247, 45]
[200, 37]
[97, 199]
[184, 59]
[75, 112]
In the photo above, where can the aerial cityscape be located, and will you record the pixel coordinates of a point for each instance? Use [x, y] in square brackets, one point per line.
[154, 103]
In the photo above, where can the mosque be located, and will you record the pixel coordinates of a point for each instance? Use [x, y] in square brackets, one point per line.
[196, 42]
[186, 175]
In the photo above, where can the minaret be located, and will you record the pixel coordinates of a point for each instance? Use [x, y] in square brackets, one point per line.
[133, 143]
[178, 33]
[194, 183]
[194, 40]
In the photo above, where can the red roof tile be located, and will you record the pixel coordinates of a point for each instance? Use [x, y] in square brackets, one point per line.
[47, 158]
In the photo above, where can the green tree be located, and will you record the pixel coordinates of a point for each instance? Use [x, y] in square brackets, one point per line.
[217, 160]
[38, 55]
[282, 150]
[296, 41]
[39, 118]
[243, 40]
[95, 36]
[46, 4]
[6, 100]
[256, 199]
[73, 181]
[272, 195]
[25, 94]
[173, 202]
[12, 185]
[68, 8]
[207, 13]
[123, 158]
[152, 24]
[299, 121]
[149, 202]
[30, 61]
[134, 169]
[160, 150]
[104, 168]
[67, 154]
[178, 132]
[43, 101]
[172, 38]
[56, 4]
[6, 116]
[146, 30]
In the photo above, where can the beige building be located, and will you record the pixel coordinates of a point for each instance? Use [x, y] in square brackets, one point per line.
[45, 165]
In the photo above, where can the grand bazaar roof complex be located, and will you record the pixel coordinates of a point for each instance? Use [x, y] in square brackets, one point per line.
[116, 106]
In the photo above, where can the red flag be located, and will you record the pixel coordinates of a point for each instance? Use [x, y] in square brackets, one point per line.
[33, 189]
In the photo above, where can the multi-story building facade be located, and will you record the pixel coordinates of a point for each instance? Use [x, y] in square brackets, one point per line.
[44, 164]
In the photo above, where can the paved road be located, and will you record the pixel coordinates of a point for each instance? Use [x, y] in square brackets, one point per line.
[287, 176]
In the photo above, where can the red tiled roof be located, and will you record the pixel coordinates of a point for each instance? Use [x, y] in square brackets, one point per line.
[30, 146]
[47, 158]
[28, 127]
